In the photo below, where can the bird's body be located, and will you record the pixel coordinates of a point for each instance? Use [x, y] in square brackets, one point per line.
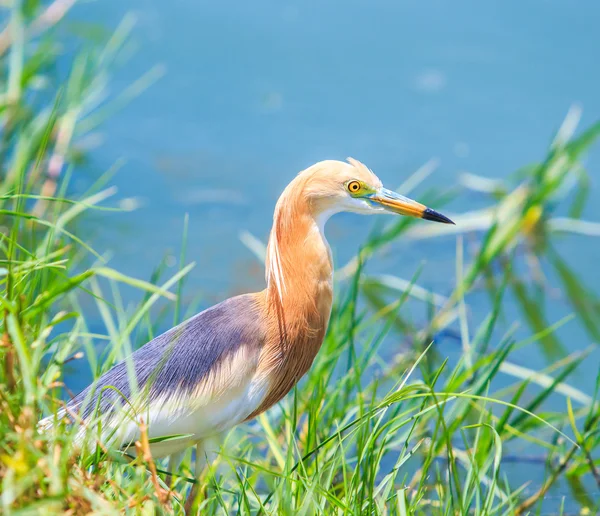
[236, 359]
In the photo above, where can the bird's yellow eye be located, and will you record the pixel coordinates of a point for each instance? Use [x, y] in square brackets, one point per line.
[353, 187]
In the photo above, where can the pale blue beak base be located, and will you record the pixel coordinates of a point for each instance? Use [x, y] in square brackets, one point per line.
[396, 203]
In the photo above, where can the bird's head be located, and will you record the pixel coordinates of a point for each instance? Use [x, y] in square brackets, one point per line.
[335, 186]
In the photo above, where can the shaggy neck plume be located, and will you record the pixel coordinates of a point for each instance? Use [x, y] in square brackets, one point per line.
[298, 297]
[299, 268]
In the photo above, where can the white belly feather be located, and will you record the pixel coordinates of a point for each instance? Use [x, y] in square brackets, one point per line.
[196, 419]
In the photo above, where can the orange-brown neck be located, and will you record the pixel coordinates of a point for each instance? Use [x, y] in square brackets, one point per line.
[298, 298]
[299, 266]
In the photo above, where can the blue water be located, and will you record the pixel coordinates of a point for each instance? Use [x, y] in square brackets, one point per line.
[256, 91]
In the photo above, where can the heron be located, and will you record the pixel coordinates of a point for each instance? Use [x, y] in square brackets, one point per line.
[233, 361]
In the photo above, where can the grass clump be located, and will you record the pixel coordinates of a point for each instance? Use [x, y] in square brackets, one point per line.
[377, 426]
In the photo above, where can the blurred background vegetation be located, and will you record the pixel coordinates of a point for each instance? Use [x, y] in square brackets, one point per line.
[460, 371]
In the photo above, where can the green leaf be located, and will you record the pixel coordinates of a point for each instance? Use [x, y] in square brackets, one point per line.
[137, 283]
[583, 300]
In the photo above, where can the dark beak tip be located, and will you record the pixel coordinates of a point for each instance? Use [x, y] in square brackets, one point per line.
[433, 215]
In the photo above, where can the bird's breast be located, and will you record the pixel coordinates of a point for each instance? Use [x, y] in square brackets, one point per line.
[294, 338]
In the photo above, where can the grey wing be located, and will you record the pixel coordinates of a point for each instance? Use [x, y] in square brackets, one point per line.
[187, 359]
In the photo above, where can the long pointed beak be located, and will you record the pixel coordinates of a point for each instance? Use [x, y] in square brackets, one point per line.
[396, 203]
